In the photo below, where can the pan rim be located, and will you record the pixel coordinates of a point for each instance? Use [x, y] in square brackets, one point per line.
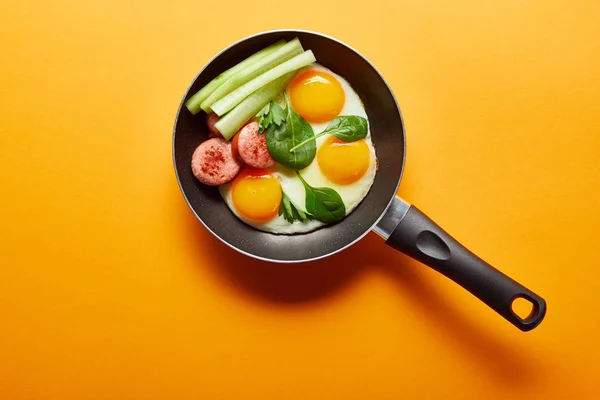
[339, 249]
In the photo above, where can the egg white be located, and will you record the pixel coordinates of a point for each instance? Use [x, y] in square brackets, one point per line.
[352, 194]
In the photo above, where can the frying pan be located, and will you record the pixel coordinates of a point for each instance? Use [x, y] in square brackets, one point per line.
[403, 226]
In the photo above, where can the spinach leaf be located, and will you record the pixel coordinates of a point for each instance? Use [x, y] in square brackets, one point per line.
[348, 128]
[272, 113]
[294, 130]
[290, 212]
[325, 204]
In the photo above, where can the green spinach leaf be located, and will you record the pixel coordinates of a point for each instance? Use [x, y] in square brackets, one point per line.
[290, 212]
[348, 128]
[294, 130]
[324, 204]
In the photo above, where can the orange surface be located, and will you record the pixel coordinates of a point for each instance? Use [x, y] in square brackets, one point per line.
[110, 289]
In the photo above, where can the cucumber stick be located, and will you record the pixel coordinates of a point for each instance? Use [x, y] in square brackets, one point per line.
[234, 98]
[194, 102]
[284, 53]
[236, 118]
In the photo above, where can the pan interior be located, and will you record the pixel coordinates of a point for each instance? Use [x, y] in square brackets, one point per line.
[387, 132]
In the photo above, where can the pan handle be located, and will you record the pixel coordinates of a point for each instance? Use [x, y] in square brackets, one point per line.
[408, 230]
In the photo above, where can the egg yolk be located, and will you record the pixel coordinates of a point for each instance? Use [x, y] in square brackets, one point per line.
[256, 194]
[343, 162]
[317, 96]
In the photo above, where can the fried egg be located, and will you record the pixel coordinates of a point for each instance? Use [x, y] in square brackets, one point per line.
[318, 95]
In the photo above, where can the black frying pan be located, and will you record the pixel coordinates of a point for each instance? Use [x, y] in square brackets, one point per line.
[403, 226]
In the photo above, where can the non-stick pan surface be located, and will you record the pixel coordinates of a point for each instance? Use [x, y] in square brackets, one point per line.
[387, 131]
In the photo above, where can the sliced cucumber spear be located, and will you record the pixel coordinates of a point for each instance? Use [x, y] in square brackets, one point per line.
[284, 53]
[194, 102]
[234, 98]
[236, 118]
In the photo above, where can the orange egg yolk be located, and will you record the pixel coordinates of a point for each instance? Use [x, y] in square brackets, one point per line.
[256, 194]
[343, 162]
[317, 96]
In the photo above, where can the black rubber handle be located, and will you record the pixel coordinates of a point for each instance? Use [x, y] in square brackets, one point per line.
[422, 239]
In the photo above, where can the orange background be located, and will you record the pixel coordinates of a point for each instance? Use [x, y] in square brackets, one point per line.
[110, 289]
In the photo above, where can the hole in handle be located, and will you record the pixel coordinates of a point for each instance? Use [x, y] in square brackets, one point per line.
[528, 311]
[523, 308]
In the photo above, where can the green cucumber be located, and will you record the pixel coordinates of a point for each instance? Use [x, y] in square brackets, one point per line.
[284, 53]
[194, 102]
[236, 118]
[234, 98]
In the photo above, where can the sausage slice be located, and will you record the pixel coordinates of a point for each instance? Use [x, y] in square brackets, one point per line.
[213, 162]
[211, 120]
[252, 147]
